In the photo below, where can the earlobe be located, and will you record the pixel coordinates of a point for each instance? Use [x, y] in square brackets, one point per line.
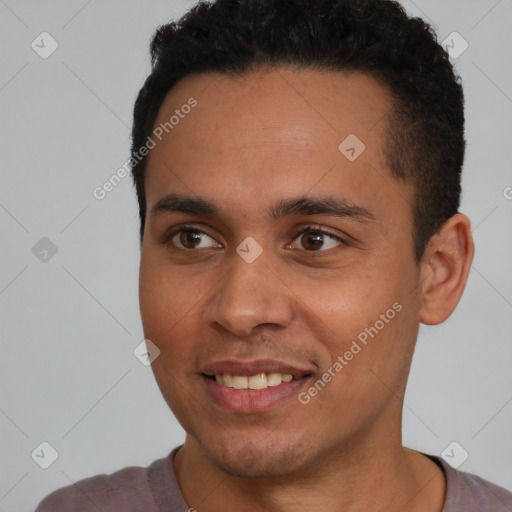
[445, 268]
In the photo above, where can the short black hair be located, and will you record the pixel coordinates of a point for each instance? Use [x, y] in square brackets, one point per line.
[425, 142]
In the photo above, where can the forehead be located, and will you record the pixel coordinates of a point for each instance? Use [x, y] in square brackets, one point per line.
[270, 133]
[280, 105]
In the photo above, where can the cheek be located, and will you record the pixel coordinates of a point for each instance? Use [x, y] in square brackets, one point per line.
[375, 343]
[166, 307]
[166, 296]
[345, 304]
[171, 301]
[369, 319]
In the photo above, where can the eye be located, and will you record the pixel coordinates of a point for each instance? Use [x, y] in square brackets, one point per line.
[316, 240]
[190, 238]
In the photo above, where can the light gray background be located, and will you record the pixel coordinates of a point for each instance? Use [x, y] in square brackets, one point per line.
[69, 326]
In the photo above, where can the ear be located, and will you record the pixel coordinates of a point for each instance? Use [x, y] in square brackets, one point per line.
[445, 268]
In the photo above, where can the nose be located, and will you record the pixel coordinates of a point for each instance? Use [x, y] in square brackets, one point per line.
[249, 295]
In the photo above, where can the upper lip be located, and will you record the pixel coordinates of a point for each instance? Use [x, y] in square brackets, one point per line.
[247, 368]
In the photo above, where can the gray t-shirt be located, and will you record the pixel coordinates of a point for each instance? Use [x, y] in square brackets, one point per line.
[155, 489]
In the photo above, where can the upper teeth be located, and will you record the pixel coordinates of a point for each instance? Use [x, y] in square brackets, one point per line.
[260, 381]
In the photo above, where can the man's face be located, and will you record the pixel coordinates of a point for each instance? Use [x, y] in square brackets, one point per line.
[263, 152]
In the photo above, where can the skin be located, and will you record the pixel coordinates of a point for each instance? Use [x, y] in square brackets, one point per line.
[275, 136]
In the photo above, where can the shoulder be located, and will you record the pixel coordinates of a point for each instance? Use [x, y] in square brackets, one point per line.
[127, 489]
[468, 492]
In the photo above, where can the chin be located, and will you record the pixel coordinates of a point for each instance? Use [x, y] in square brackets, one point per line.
[251, 460]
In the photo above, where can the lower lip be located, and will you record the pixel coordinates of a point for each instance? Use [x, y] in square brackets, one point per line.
[253, 400]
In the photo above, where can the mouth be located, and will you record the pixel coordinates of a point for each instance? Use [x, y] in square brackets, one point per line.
[253, 387]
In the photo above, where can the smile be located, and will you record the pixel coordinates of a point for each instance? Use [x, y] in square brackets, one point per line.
[258, 381]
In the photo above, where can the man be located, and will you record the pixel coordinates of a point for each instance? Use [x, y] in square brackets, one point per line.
[297, 166]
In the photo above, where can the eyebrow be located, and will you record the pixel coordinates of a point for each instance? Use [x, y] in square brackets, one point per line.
[196, 205]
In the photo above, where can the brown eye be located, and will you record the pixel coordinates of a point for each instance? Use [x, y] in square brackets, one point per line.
[313, 240]
[189, 239]
[192, 239]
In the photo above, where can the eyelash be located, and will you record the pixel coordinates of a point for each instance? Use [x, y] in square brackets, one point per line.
[301, 231]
